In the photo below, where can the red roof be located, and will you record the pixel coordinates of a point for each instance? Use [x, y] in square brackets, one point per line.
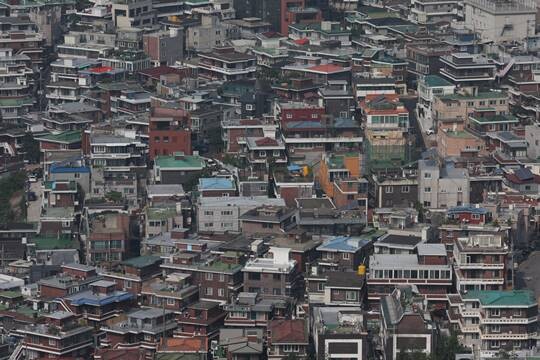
[185, 344]
[288, 331]
[303, 41]
[515, 180]
[101, 69]
[266, 142]
[327, 68]
[156, 72]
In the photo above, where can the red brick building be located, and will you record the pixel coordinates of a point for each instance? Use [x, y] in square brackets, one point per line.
[169, 132]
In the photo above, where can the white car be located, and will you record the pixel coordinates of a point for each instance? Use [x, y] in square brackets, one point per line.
[32, 178]
[430, 132]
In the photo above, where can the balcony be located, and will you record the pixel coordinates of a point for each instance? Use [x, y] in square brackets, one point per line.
[510, 320]
[484, 266]
[509, 336]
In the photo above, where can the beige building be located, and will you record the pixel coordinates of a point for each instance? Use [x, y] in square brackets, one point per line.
[129, 14]
[500, 21]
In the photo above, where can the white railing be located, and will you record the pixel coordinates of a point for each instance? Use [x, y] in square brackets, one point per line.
[510, 320]
[16, 355]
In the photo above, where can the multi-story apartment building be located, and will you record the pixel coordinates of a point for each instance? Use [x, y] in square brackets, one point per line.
[217, 280]
[221, 214]
[442, 187]
[256, 310]
[168, 132]
[109, 238]
[60, 337]
[405, 324]
[226, 64]
[501, 21]
[16, 79]
[117, 163]
[467, 70]
[142, 328]
[428, 269]
[276, 276]
[128, 14]
[491, 321]
[434, 11]
[481, 262]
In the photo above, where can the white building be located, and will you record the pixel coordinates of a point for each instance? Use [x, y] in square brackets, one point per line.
[221, 214]
[500, 21]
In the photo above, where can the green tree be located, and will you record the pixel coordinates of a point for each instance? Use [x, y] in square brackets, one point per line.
[30, 147]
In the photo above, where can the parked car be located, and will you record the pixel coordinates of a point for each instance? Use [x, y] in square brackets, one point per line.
[32, 178]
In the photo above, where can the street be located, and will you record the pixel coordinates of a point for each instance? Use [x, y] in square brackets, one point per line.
[34, 207]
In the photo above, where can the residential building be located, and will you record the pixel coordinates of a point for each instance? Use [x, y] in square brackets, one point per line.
[256, 310]
[492, 320]
[226, 64]
[109, 238]
[177, 168]
[405, 324]
[221, 214]
[203, 320]
[467, 70]
[500, 22]
[128, 14]
[346, 253]
[431, 12]
[287, 337]
[164, 48]
[60, 336]
[143, 328]
[442, 187]
[428, 269]
[339, 330]
[481, 262]
[267, 220]
[276, 276]
[319, 33]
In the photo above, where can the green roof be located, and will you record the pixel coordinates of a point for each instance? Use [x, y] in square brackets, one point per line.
[10, 294]
[460, 134]
[494, 119]
[502, 298]
[160, 213]
[222, 267]
[436, 81]
[51, 185]
[335, 28]
[16, 102]
[141, 261]
[52, 242]
[481, 95]
[180, 161]
[67, 137]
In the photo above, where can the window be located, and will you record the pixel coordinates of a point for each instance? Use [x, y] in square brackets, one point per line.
[170, 301]
[77, 175]
[254, 276]
[209, 276]
[427, 189]
[276, 153]
[351, 296]
[476, 216]
[222, 277]
[427, 175]
[314, 116]
[320, 286]
[165, 139]
[276, 277]
[276, 291]
[495, 344]
[52, 342]
[388, 189]
[346, 256]
[221, 292]
[495, 328]
[249, 107]
[262, 153]
[226, 212]
[495, 312]
[291, 348]
[209, 291]
[517, 312]
[289, 116]
[209, 213]
[405, 189]
[127, 284]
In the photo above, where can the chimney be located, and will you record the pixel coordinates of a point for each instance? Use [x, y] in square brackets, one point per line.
[179, 155]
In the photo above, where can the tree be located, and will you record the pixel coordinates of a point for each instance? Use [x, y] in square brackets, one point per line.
[30, 147]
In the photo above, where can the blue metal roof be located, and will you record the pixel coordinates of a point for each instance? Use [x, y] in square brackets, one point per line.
[470, 209]
[216, 184]
[69, 169]
[344, 243]
[89, 298]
